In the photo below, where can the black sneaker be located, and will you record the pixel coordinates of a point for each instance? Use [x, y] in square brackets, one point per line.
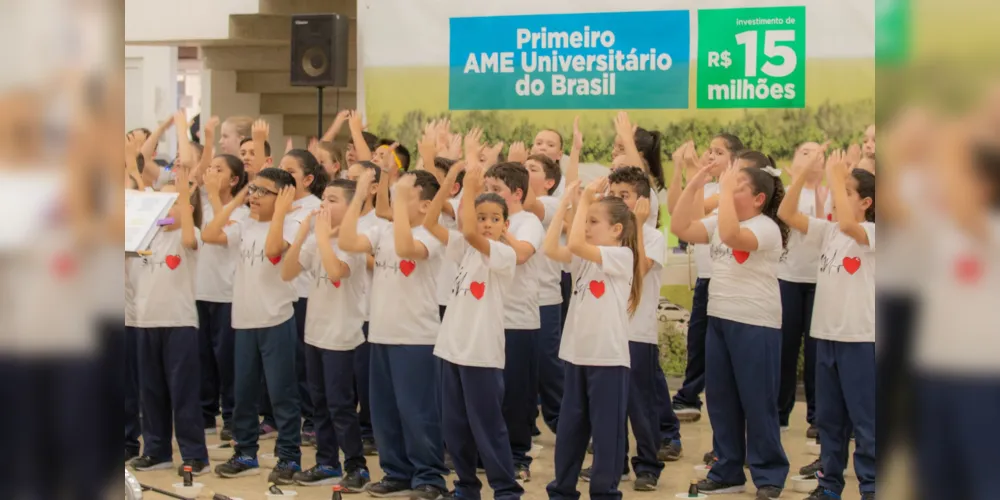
[709, 459]
[768, 492]
[644, 481]
[868, 496]
[389, 489]
[130, 455]
[284, 472]
[319, 475]
[811, 469]
[356, 481]
[226, 435]
[198, 468]
[710, 487]
[825, 494]
[428, 492]
[238, 466]
[670, 452]
[370, 450]
[522, 474]
[146, 464]
[812, 432]
[585, 475]
[687, 413]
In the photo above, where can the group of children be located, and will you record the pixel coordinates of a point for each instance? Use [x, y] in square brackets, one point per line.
[427, 313]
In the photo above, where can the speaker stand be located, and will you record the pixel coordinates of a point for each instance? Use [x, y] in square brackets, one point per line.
[319, 113]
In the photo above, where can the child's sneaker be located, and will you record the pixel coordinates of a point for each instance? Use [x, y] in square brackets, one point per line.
[709, 459]
[267, 431]
[370, 449]
[710, 487]
[522, 474]
[812, 432]
[309, 439]
[644, 481]
[389, 489]
[238, 466]
[825, 494]
[227, 433]
[811, 469]
[585, 475]
[670, 452]
[284, 472]
[318, 476]
[356, 481]
[198, 467]
[428, 492]
[687, 413]
[146, 464]
[768, 493]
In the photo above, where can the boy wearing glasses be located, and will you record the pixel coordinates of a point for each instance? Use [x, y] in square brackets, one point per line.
[263, 320]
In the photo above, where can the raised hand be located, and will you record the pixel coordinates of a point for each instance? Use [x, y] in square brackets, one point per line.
[474, 177]
[836, 166]
[405, 184]
[365, 182]
[572, 194]
[641, 209]
[354, 121]
[385, 157]
[577, 135]
[473, 145]
[428, 146]
[623, 127]
[453, 151]
[597, 186]
[213, 180]
[286, 197]
[212, 124]
[490, 154]
[517, 152]
[728, 179]
[323, 229]
[260, 131]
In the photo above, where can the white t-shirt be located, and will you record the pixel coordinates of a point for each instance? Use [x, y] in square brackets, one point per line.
[521, 306]
[164, 283]
[549, 271]
[643, 327]
[365, 223]
[703, 253]
[958, 333]
[744, 285]
[261, 299]
[799, 262]
[300, 211]
[654, 209]
[472, 333]
[404, 308]
[217, 263]
[335, 311]
[448, 267]
[844, 309]
[596, 330]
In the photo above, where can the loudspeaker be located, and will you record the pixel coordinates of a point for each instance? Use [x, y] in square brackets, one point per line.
[319, 50]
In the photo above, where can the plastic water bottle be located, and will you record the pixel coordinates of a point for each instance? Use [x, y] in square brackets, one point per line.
[693, 490]
[338, 491]
[273, 488]
[187, 474]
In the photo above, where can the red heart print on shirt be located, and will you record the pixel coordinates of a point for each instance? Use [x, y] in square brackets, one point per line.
[275, 260]
[741, 256]
[407, 267]
[478, 289]
[597, 288]
[63, 265]
[336, 284]
[829, 217]
[852, 264]
[968, 269]
[173, 261]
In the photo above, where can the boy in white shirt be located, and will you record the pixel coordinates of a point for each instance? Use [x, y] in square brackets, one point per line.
[263, 319]
[521, 314]
[405, 399]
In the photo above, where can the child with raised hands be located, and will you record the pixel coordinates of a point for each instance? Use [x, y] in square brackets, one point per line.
[405, 399]
[166, 326]
[263, 317]
[471, 342]
[604, 255]
[637, 147]
[743, 344]
[843, 322]
[334, 319]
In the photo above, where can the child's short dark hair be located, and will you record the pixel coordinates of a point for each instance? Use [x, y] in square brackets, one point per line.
[350, 187]
[370, 139]
[267, 145]
[633, 176]
[513, 175]
[279, 177]
[494, 198]
[445, 164]
[551, 169]
[427, 183]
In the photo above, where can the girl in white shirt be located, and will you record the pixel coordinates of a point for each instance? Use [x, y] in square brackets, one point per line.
[604, 256]
[332, 333]
[743, 345]
[637, 147]
[471, 340]
[843, 323]
[166, 321]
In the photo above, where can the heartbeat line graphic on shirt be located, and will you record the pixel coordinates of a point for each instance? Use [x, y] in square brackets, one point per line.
[475, 288]
[253, 256]
[829, 264]
[152, 263]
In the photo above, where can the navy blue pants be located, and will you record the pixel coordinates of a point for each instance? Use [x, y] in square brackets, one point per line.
[694, 375]
[594, 398]
[331, 384]
[520, 391]
[305, 401]
[362, 362]
[895, 317]
[133, 429]
[960, 448]
[169, 379]
[796, 318]
[550, 368]
[845, 402]
[406, 413]
[670, 426]
[216, 345]
[643, 413]
[744, 363]
[473, 427]
[267, 353]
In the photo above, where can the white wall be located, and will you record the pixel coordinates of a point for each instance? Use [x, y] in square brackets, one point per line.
[179, 20]
[151, 90]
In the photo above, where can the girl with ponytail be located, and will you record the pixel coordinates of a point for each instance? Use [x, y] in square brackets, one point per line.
[605, 259]
[743, 344]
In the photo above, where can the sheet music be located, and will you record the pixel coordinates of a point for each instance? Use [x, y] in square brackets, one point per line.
[142, 211]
